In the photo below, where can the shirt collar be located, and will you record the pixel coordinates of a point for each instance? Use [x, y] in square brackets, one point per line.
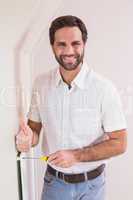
[79, 80]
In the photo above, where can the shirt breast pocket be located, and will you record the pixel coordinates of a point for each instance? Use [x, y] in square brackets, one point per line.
[85, 121]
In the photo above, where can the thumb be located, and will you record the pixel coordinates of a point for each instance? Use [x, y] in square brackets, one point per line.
[24, 126]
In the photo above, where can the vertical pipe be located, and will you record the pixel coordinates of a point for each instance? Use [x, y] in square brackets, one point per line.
[20, 189]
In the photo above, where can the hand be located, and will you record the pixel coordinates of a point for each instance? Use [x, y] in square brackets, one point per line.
[63, 158]
[24, 138]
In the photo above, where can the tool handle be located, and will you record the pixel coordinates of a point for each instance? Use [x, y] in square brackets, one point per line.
[44, 158]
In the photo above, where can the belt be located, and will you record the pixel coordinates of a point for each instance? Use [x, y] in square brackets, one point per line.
[76, 178]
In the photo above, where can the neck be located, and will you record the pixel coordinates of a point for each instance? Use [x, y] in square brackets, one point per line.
[68, 76]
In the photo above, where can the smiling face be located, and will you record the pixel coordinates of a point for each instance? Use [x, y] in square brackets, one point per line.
[68, 47]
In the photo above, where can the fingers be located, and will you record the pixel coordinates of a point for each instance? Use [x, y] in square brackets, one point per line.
[21, 137]
[24, 137]
[56, 160]
[24, 127]
[52, 157]
[23, 147]
[23, 142]
[61, 163]
[25, 130]
[61, 159]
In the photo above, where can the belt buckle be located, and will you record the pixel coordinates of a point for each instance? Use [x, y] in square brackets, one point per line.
[85, 175]
[57, 174]
[63, 178]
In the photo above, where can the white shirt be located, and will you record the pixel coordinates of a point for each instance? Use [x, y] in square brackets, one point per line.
[76, 117]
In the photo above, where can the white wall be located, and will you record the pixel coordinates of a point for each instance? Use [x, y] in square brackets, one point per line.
[14, 17]
[24, 49]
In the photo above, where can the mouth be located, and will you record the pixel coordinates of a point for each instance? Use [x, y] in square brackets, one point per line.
[69, 58]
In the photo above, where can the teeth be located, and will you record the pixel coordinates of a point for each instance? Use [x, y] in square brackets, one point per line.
[69, 58]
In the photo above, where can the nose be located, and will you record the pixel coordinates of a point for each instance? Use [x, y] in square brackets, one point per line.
[69, 50]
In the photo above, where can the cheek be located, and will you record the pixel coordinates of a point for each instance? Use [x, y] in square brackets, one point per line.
[79, 50]
[57, 51]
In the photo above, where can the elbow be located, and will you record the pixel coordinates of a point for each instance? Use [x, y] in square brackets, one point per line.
[123, 146]
[122, 143]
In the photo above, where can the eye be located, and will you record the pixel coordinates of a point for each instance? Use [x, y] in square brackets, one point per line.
[76, 44]
[61, 44]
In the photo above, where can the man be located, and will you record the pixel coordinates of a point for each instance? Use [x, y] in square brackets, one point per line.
[81, 115]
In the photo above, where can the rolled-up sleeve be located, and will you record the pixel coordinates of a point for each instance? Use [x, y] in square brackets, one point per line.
[112, 110]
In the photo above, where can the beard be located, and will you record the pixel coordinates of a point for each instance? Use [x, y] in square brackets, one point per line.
[70, 62]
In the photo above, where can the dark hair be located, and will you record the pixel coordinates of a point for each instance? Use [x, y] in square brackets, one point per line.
[67, 21]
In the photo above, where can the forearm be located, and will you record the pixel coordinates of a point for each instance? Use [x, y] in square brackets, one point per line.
[35, 139]
[103, 150]
[114, 145]
[36, 129]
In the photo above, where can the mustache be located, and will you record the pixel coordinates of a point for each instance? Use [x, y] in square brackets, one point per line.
[72, 55]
